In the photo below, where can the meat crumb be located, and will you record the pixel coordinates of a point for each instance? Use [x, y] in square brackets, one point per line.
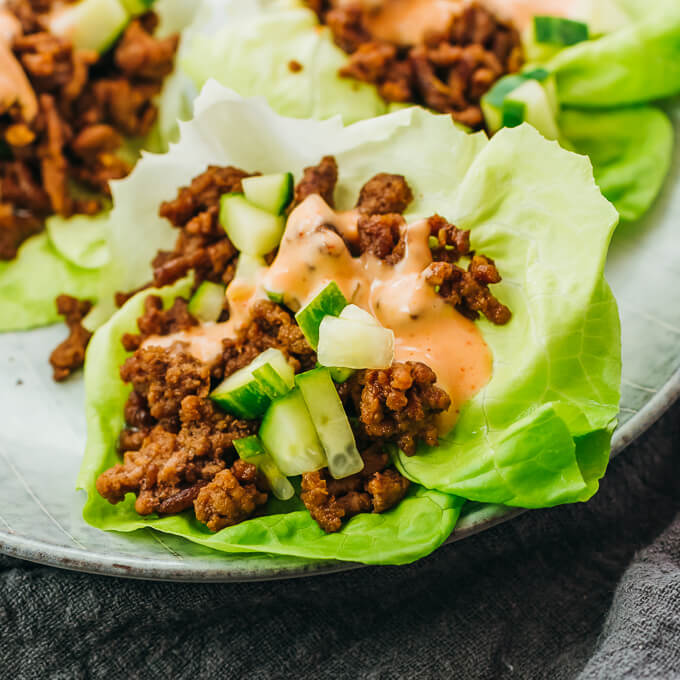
[294, 66]
[69, 355]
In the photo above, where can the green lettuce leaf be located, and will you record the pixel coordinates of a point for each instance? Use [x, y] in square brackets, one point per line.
[30, 283]
[639, 62]
[631, 151]
[411, 530]
[538, 434]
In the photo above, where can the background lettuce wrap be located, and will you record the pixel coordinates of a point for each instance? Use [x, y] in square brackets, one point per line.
[536, 435]
[248, 46]
[67, 257]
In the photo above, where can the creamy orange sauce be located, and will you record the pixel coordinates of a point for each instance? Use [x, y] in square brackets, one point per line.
[311, 255]
[406, 22]
[14, 85]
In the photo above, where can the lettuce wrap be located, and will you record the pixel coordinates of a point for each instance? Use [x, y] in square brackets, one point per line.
[537, 435]
[68, 255]
[248, 46]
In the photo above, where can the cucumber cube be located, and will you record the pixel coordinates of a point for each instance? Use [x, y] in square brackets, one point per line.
[289, 436]
[354, 344]
[90, 24]
[330, 420]
[355, 313]
[252, 230]
[532, 98]
[207, 302]
[329, 301]
[242, 393]
[513, 113]
[272, 193]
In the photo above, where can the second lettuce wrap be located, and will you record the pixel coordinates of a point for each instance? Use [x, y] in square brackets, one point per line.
[248, 46]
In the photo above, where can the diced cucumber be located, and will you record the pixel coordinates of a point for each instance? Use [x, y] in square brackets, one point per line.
[559, 31]
[513, 113]
[340, 374]
[271, 382]
[330, 420]
[252, 450]
[355, 313]
[248, 266]
[251, 229]
[329, 301]
[242, 393]
[354, 344]
[207, 302]
[272, 193]
[493, 103]
[249, 447]
[533, 100]
[90, 24]
[289, 436]
[275, 297]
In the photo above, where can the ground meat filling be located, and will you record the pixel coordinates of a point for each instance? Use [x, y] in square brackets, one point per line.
[202, 244]
[176, 442]
[449, 72]
[270, 325]
[397, 405]
[158, 321]
[318, 179]
[466, 290]
[86, 103]
[231, 497]
[69, 355]
[376, 488]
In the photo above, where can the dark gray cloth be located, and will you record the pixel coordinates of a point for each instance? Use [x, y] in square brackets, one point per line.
[586, 591]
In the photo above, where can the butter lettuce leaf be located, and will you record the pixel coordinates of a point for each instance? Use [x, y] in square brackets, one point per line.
[639, 62]
[537, 435]
[413, 529]
[30, 283]
[631, 151]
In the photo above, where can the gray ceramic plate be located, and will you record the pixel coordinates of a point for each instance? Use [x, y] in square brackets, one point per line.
[43, 428]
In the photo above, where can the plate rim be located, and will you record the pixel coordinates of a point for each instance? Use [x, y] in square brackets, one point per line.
[138, 568]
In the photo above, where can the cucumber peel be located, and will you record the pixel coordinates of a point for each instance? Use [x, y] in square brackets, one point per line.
[252, 230]
[251, 450]
[559, 31]
[328, 302]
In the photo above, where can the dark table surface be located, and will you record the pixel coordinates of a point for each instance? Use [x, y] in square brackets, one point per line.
[584, 591]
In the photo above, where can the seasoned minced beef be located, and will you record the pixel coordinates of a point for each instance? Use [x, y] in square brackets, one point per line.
[449, 72]
[158, 321]
[466, 290]
[398, 404]
[383, 194]
[374, 489]
[176, 440]
[231, 497]
[318, 179]
[70, 354]
[270, 325]
[86, 103]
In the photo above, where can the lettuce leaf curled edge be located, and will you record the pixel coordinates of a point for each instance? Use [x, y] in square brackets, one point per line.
[537, 435]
